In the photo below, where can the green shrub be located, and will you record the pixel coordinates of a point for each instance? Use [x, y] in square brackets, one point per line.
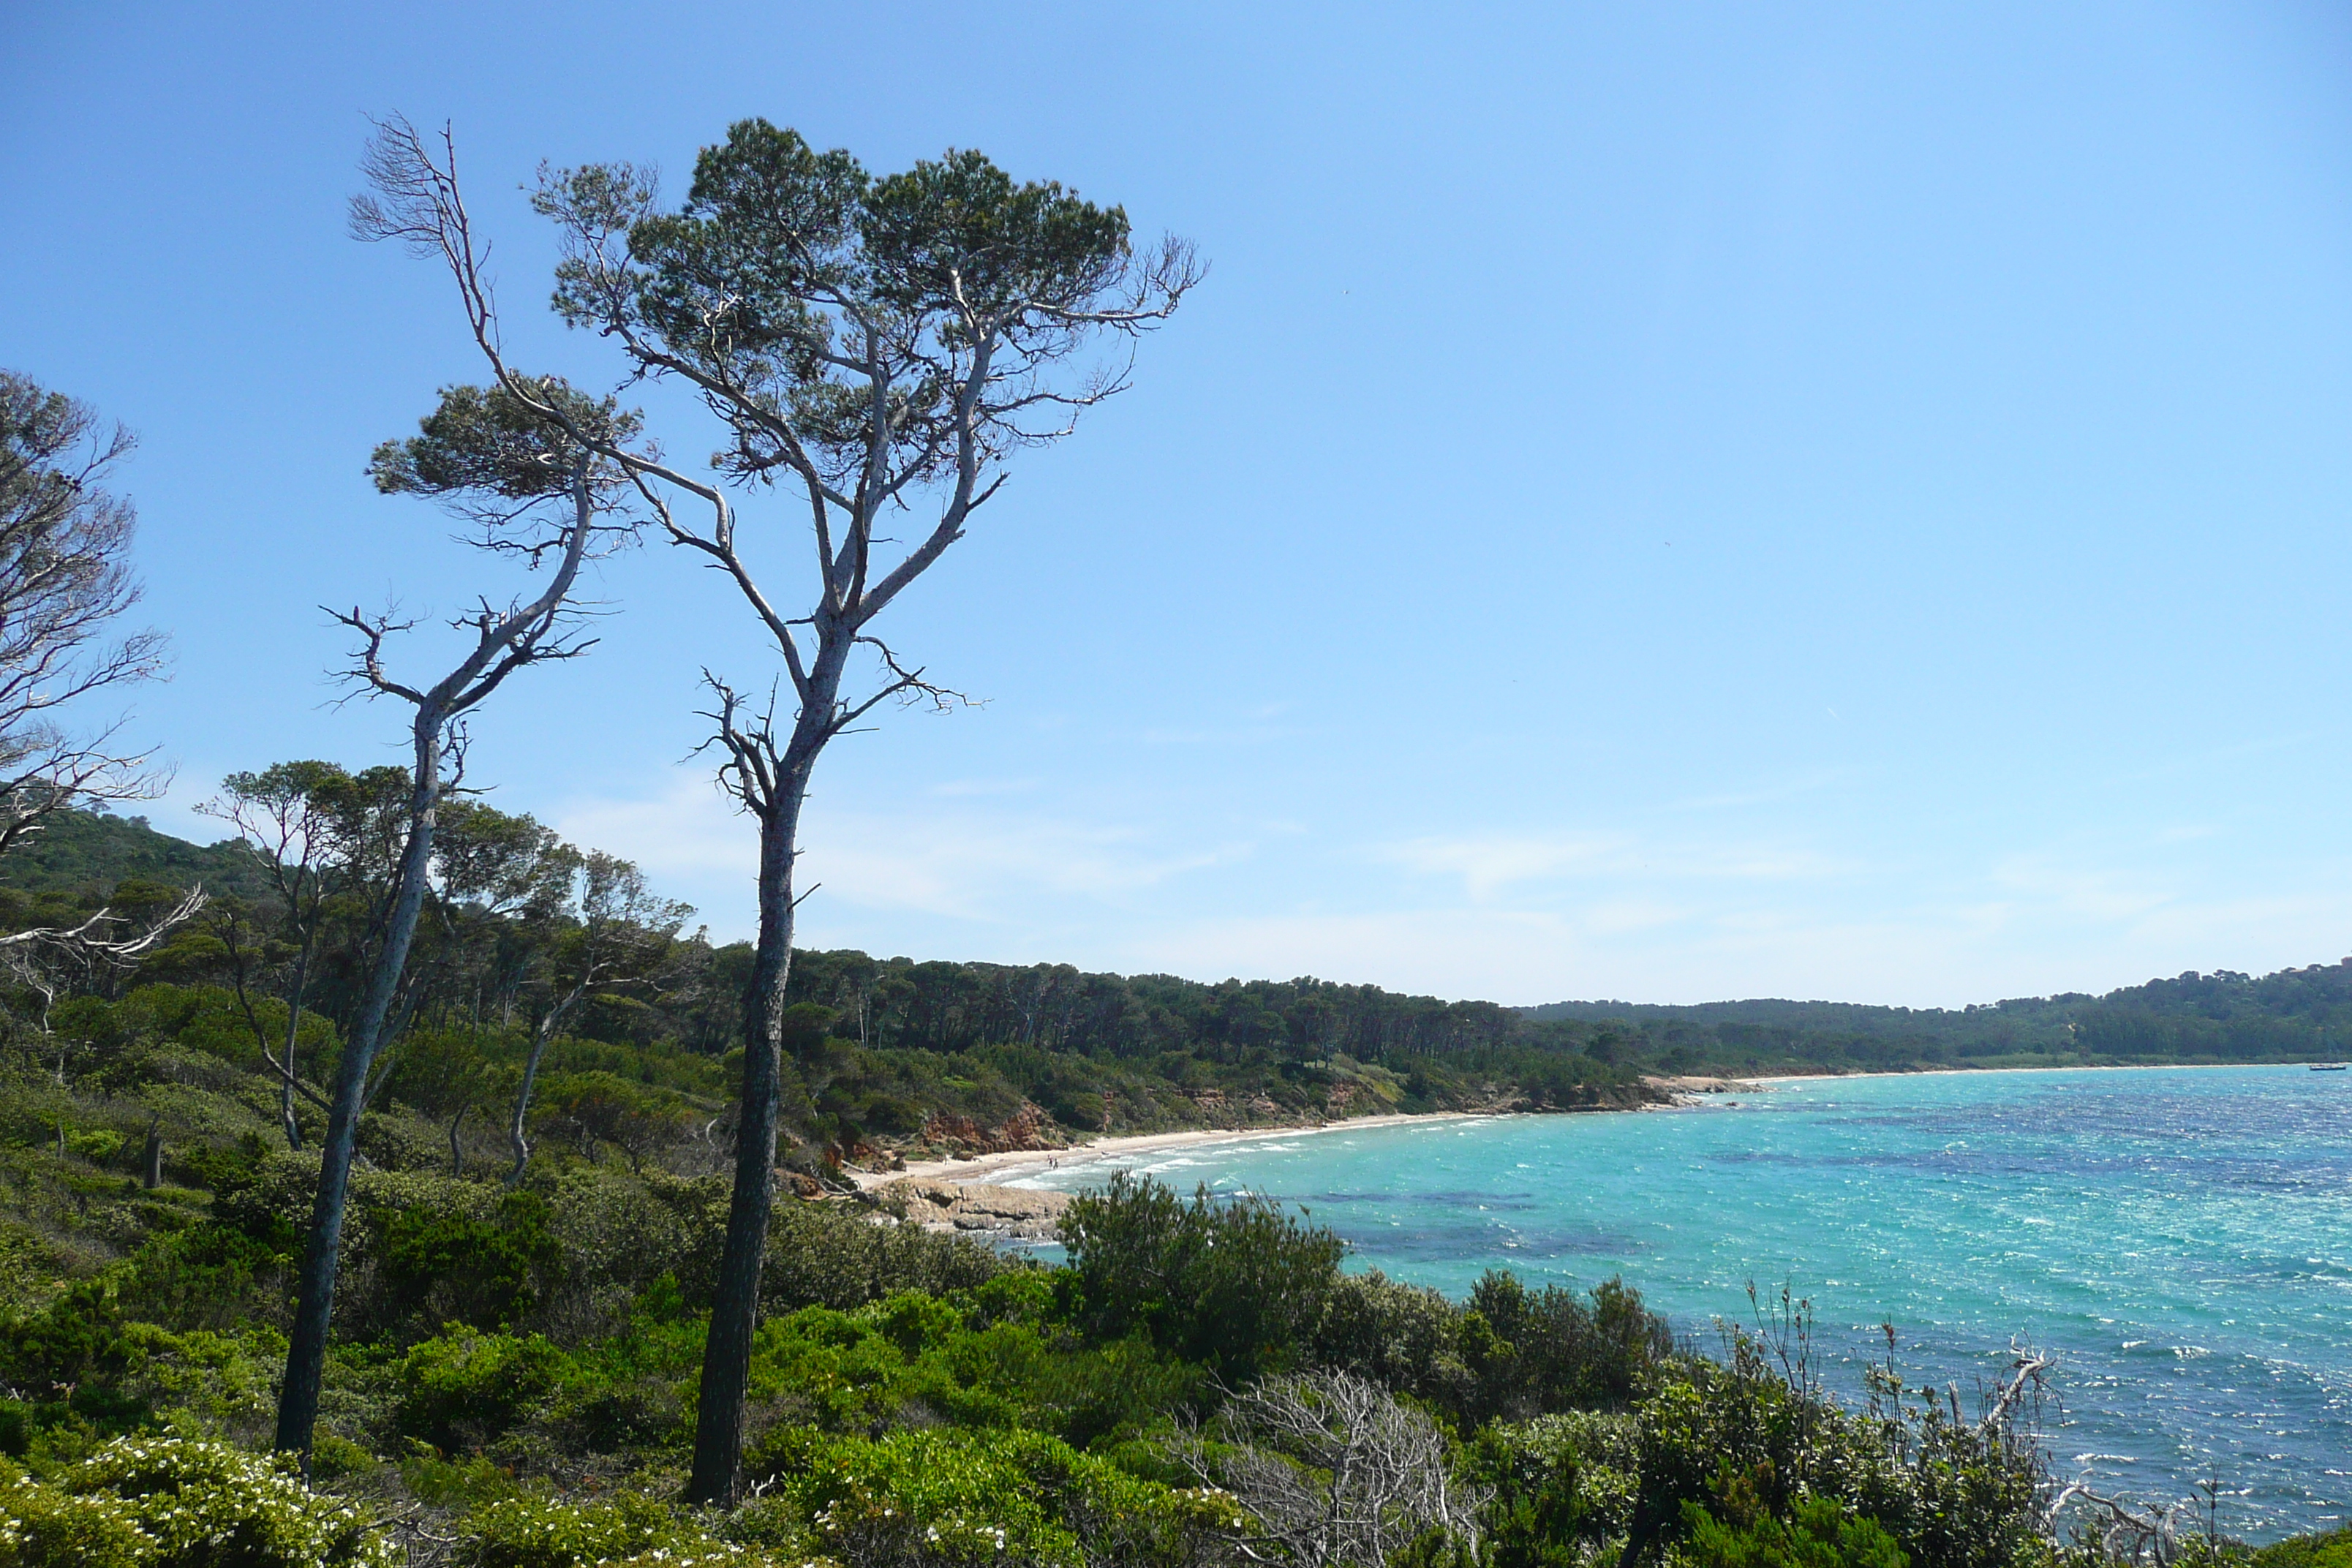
[28, 1268]
[159, 1502]
[1563, 1484]
[41, 1527]
[70, 1364]
[2331, 1550]
[209, 1276]
[486, 1272]
[1820, 1535]
[467, 1389]
[1236, 1285]
[205, 1384]
[931, 1499]
[1406, 1337]
[536, 1533]
[1748, 1438]
[1549, 1351]
[1089, 1396]
[829, 1255]
[334, 1458]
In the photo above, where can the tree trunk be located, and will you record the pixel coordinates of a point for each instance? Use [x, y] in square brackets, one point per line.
[516, 1132]
[517, 1139]
[457, 1155]
[306, 1352]
[286, 1117]
[735, 1309]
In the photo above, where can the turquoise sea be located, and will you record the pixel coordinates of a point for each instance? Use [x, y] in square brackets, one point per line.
[2181, 1238]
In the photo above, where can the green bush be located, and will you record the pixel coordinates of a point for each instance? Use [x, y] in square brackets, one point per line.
[538, 1532]
[2331, 1550]
[1549, 1351]
[209, 1276]
[1748, 1437]
[1563, 1484]
[1820, 1535]
[486, 1272]
[159, 1502]
[917, 1360]
[467, 1389]
[933, 1499]
[829, 1255]
[1404, 1337]
[1236, 1285]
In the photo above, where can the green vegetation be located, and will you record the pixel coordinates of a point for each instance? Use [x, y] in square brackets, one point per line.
[2295, 1015]
[516, 1357]
[512, 1384]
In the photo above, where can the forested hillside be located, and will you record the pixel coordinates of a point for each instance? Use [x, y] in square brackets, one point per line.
[2293, 1015]
[891, 1055]
[636, 1023]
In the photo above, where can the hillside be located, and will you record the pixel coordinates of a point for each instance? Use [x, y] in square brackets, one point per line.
[967, 1045]
[81, 852]
[2293, 1015]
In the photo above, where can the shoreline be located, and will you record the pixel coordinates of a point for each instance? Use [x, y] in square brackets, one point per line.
[1980, 1072]
[1014, 1163]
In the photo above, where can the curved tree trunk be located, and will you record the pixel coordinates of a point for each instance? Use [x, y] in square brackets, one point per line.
[517, 1138]
[517, 1135]
[286, 1117]
[306, 1351]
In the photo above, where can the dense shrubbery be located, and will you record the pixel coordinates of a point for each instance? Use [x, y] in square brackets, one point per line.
[922, 1401]
[516, 1370]
[167, 1503]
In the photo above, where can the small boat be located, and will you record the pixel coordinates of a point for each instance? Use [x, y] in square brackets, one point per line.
[2330, 1066]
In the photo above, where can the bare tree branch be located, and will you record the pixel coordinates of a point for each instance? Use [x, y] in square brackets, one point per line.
[1335, 1469]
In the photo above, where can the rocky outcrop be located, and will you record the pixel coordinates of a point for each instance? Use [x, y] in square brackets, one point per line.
[972, 1207]
[1686, 1088]
[1028, 1128]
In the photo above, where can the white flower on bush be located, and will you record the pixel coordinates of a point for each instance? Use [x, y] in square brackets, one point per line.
[169, 1498]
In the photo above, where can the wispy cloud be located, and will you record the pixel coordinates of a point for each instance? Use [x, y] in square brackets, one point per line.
[1487, 865]
[965, 855]
[960, 788]
[996, 868]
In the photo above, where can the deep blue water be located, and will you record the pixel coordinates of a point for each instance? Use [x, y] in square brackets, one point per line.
[2182, 1240]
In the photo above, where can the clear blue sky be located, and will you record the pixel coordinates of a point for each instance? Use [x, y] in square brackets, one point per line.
[1666, 502]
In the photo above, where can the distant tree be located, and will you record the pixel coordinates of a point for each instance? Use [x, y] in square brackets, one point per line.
[446, 1076]
[617, 930]
[299, 818]
[538, 493]
[877, 345]
[498, 877]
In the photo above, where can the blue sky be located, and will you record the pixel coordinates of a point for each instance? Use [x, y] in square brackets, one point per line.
[1665, 502]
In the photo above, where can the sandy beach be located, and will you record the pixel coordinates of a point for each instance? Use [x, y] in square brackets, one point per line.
[1015, 1163]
